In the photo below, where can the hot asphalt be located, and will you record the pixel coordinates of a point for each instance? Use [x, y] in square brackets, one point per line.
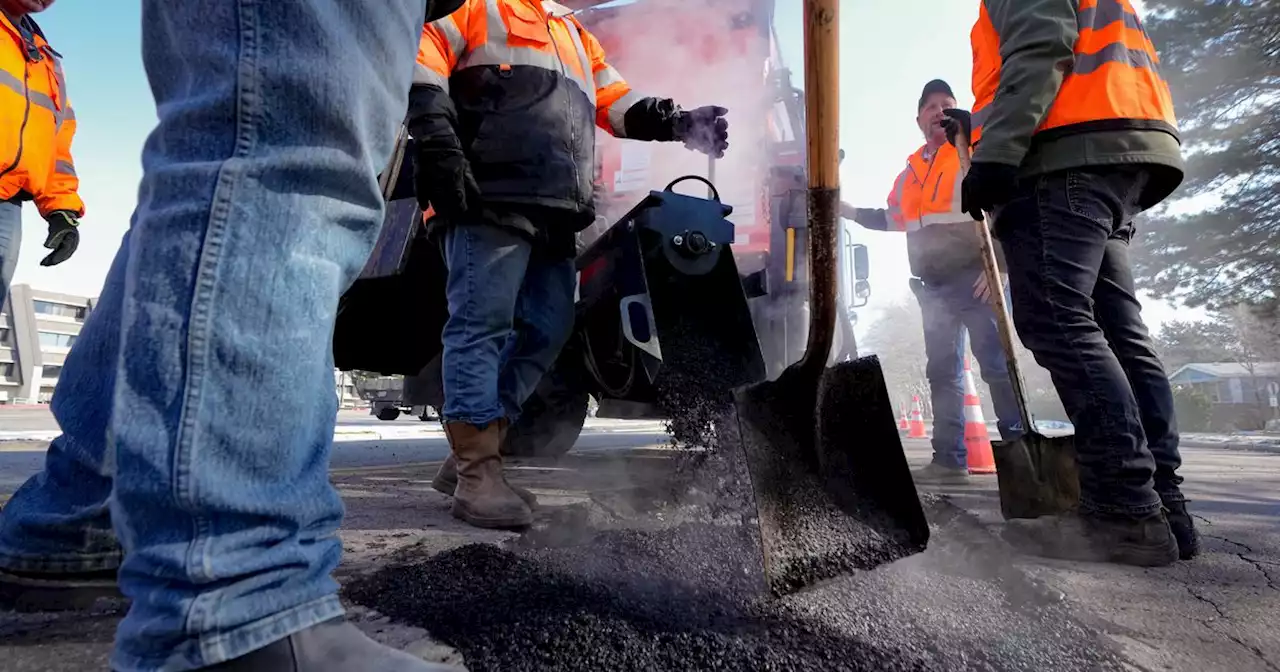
[620, 574]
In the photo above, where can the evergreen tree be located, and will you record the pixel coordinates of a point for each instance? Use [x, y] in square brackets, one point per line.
[1222, 61]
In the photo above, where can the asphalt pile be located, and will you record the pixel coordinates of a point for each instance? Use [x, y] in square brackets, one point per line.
[619, 601]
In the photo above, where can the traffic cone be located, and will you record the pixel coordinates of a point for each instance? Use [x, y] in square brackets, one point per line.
[915, 429]
[902, 422]
[977, 441]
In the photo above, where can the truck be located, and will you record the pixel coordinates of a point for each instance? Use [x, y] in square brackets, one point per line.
[671, 284]
[385, 395]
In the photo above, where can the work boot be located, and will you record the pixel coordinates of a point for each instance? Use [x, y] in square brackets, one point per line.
[1184, 529]
[939, 474]
[55, 591]
[482, 496]
[332, 646]
[446, 479]
[1144, 542]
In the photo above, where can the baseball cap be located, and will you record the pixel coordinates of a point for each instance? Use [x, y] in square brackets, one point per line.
[934, 86]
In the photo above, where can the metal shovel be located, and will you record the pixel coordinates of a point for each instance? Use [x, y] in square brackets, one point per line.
[1037, 474]
[832, 486]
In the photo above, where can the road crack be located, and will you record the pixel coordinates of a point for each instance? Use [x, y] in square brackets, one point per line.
[1222, 616]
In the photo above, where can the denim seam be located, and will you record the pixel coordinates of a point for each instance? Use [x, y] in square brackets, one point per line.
[231, 175]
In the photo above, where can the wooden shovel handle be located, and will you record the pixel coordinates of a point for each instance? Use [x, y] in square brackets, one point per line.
[994, 283]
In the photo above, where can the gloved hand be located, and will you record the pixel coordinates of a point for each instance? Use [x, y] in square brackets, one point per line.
[703, 129]
[956, 121]
[63, 237]
[987, 186]
[442, 180]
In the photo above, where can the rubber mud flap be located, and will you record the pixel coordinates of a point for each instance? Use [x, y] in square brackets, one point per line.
[832, 485]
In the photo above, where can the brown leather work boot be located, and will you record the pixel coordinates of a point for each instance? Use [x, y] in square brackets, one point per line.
[482, 496]
[446, 479]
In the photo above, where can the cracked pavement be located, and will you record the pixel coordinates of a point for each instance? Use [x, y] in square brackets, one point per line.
[1218, 612]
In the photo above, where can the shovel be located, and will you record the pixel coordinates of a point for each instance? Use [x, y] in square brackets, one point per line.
[1037, 474]
[832, 486]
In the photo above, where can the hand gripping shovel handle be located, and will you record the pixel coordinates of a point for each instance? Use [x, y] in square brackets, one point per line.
[992, 270]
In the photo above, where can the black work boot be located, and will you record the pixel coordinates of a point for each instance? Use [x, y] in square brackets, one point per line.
[55, 591]
[1184, 529]
[938, 474]
[1143, 542]
[332, 646]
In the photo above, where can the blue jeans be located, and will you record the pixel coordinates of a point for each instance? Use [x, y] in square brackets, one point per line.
[257, 208]
[10, 245]
[949, 310]
[1066, 239]
[510, 313]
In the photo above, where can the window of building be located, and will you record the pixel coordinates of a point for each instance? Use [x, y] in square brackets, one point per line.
[50, 370]
[4, 336]
[50, 339]
[59, 309]
[6, 369]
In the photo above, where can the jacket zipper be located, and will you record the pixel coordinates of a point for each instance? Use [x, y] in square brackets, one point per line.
[568, 97]
[26, 115]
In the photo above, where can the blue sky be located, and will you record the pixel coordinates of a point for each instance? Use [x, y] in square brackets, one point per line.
[889, 49]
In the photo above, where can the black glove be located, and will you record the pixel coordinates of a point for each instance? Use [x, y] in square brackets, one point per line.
[987, 186]
[63, 237]
[703, 129]
[956, 121]
[442, 179]
[442, 176]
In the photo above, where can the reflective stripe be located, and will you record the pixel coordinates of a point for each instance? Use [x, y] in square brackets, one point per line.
[894, 213]
[1105, 13]
[978, 119]
[496, 51]
[580, 52]
[606, 76]
[1115, 52]
[945, 218]
[457, 43]
[424, 75]
[618, 111]
[12, 82]
[64, 168]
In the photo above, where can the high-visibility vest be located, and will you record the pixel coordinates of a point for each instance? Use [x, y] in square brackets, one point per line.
[530, 84]
[37, 123]
[927, 192]
[1112, 84]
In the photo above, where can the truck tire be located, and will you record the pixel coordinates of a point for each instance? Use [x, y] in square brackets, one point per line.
[549, 423]
[388, 414]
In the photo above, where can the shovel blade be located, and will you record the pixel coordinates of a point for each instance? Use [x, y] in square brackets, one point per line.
[1037, 476]
[831, 482]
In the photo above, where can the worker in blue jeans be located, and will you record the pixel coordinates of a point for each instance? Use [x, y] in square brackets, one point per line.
[503, 114]
[197, 406]
[945, 255]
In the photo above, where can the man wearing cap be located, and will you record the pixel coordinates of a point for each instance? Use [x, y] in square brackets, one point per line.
[946, 262]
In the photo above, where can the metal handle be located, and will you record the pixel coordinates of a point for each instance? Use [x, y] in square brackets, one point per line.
[992, 270]
[715, 194]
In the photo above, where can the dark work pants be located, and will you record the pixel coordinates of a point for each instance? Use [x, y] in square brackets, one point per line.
[1066, 238]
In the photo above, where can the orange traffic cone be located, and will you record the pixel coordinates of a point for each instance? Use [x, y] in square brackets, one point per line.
[915, 429]
[902, 422]
[977, 441]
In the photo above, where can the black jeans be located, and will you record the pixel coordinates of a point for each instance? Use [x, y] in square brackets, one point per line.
[1066, 238]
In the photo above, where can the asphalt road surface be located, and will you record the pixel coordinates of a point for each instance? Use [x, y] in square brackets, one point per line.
[617, 576]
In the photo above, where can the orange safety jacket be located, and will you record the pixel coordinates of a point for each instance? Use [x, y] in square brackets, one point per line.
[927, 192]
[529, 84]
[1112, 83]
[36, 122]
[942, 245]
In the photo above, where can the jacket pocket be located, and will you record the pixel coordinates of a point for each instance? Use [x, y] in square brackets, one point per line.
[526, 26]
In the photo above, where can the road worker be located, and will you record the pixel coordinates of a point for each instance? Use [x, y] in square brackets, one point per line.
[35, 141]
[505, 101]
[1074, 134]
[258, 206]
[950, 285]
